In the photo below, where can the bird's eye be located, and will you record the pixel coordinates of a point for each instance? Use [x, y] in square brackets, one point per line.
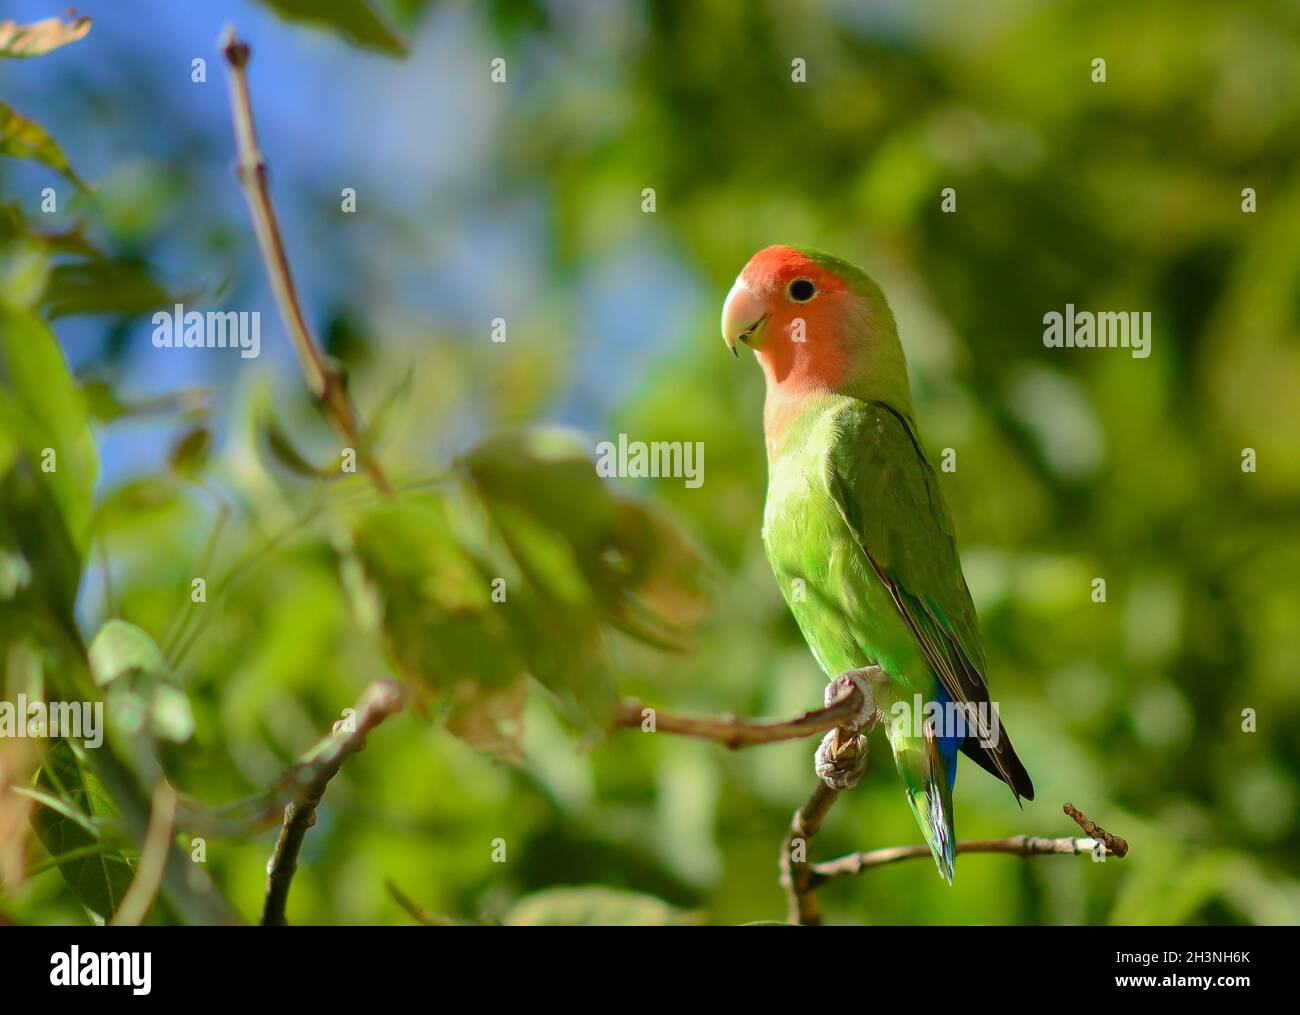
[802, 290]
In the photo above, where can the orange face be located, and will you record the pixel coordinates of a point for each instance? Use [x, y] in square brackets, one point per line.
[791, 311]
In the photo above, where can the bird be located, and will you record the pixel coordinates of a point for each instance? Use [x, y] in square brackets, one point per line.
[856, 529]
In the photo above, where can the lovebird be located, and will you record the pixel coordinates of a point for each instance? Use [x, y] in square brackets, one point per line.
[856, 528]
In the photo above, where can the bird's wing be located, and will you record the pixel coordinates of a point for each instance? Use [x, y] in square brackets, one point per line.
[889, 498]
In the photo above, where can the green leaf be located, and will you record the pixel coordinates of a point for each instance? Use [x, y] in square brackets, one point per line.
[106, 405]
[14, 227]
[102, 401]
[40, 37]
[170, 714]
[124, 656]
[643, 573]
[390, 411]
[43, 561]
[594, 906]
[99, 879]
[355, 20]
[281, 449]
[15, 574]
[120, 648]
[24, 275]
[587, 556]
[44, 413]
[436, 584]
[21, 138]
[190, 453]
[123, 287]
[90, 283]
[276, 447]
[435, 597]
[139, 504]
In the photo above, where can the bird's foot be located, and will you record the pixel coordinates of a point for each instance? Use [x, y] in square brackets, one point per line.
[861, 679]
[841, 759]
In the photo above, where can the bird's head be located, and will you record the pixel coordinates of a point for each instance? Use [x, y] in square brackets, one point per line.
[814, 321]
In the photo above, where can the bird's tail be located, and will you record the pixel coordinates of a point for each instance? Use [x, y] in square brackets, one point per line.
[928, 766]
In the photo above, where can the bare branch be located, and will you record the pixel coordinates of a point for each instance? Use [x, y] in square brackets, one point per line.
[415, 911]
[380, 700]
[1017, 845]
[325, 379]
[799, 876]
[802, 881]
[255, 814]
[841, 714]
[734, 732]
[796, 872]
[1113, 843]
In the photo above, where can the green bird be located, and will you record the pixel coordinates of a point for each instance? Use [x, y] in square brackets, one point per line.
[856, 528]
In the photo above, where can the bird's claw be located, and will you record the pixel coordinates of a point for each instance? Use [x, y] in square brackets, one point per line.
[861, 679]
[841, 759]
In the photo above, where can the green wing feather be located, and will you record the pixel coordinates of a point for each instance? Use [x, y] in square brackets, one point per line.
[889, 497]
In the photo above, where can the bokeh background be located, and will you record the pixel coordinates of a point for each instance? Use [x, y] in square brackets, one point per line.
[523, 200]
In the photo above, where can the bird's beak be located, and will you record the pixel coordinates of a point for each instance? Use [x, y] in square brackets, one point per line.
[742, 316]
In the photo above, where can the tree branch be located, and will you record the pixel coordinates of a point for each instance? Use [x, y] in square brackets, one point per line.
[326, 379]
[1099, 844]
[845, 701]
[796, 872]
[251, 815]
[1113, 843]
[800, 878]
[1017, 845]
[313, 773]
[734, 732]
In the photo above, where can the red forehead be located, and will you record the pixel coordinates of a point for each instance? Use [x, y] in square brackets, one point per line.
[777, 266]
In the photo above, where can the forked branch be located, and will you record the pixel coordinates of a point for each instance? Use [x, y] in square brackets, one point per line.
[380, 700]
[802, 879]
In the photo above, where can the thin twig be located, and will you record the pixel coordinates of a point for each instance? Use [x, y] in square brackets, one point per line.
[239, 571]
[415, 911]
[1016, 845]
[1113, 843]
[312, 774]
[153, 859]
[326, 380]
[255, 814]
[181, 619]
[734, 732]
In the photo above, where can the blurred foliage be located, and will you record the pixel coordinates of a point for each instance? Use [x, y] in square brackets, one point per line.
[40, 37]
[355, 20]
[19, 137]
[1072, 465]
[97, 873]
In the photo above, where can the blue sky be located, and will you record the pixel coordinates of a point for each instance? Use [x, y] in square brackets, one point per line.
[417, 138]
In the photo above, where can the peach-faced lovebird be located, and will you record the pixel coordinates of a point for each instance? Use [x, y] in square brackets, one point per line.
[856, 528]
